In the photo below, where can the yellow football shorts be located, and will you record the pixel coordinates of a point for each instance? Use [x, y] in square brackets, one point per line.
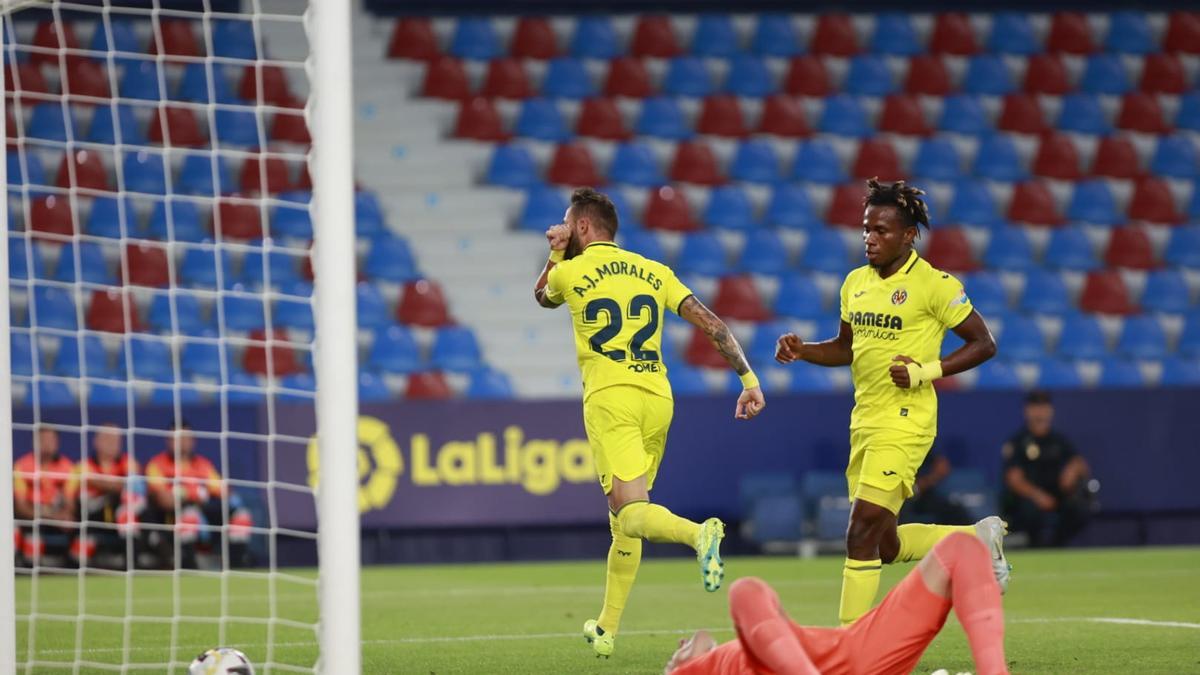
[627, 429]
[882, 460]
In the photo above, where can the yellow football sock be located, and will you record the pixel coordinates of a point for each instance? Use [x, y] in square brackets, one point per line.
[917, 540]
[655, 523]
[624, 557]
[860, 583]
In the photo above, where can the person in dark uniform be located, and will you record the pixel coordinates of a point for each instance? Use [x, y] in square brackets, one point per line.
[1046, 491]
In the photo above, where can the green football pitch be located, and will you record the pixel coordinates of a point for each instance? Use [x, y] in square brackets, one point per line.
[1086, 611]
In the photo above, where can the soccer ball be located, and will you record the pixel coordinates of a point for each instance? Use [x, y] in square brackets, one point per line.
[221, 661]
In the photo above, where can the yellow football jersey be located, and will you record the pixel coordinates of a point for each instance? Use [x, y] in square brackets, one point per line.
[908, 313]
[617, 299]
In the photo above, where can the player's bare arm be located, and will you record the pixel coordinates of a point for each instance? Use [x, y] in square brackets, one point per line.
[978, 346]
[557, 236]
[838, 351]
[751, 401]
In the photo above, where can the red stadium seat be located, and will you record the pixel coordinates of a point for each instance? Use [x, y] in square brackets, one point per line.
[807, 76]
[700, 352]
[783, 115]
[478, 119]
[431, 386]
[1033, 203]
[902, 114]
[10, 127]
[445, 78]
[1070, 32]
[628, 76]
[275, 88]
[178, 39]
[303, 177]
[722, 116]
[52, 215]
[601, 118]
[1183, 33]
[1130, 247]
[1153, 202]
[1057, 157]
[877, 158]
[182, 128]
[148, 265]
[952, 34]
[32, 80]
[927, 75]
[738, 299]
[413, 38]
[46, 37]
[846, 207]
[90, 173]
[834, 36]
[1163, 74]
[1116, 158]
[1141, 112]
[277, 175]
[270, 354]
[534, 39]
[948, 250]
[695, 163]
[106, 312]
[423, 304]
[1022, 113]
[236, 220]
[668, 209]
[654, 36]
[573, 165]
[1047, 74]
[290, 127]
[506, 78]
[85, 77]
[1105, 292]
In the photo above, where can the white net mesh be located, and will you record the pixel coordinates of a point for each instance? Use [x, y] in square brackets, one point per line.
[161, 302]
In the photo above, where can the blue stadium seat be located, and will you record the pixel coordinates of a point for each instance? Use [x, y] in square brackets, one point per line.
[368, 215]
[244, 388]
[1177, 372]
[646, 244]
[1184, 246]
[752, 486]
[188, 315]
[1009, 249]
[628, 219]
[395, 351]
[817, 161]
[291, 221]
[372, 388]
[489, 383]
[140, 81]
[540, 118]
[761, 348]
[102, 129]
[595, 38]
[238, 127]
[1012, 33]
[1188, 116]
[144, 172]
[790, 207]
[124, 39]
[151, 359]
[809, 378]
[52, 122]
[1175, 156]
[24, 264]
[184, 223]
[544, 206]
[102, 394]
[294, 313]
[1021, 339]
[196, 82]
[634, 163]
[186, 394]
[373, 309]
[1142, 338]
[566, 77]
[937, 159]
[303, 386]
[845, 116]
[54, 394]
[775, 35]
[390, 258]
[894, 34]
[988, 74]
[282, 268]
[776, 518]
[512, 166]
[53, 307]
[21, 354]
[729, 207]
[1166, 291]
[1119, 373]
[688, 76]
[986, 292]
[764, 253]
[826, 251]
[1130, 33]
[799, 298]
[198, 269]
[27, 172]
[475, 38]
[234, 39]
[455, 349]
[997, 374]
[687, 381]
[95, 362]
[1081, 338]
[105, 219]
[869, 76]
[702, 253]
[964, 114]
[1045, 293]
[1070, 248]
[1193, 211]
[1058, 374]
[715, 36]
[242, 312]
[749, 76]
[662, 117]
[203, 358]
[1093, 202]
[755, 161]
[998, 159]
[825, 495]
[196, 176]
[1105, 74]
[89, 268]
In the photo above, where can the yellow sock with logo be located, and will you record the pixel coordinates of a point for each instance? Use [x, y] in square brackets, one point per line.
[655, 523]
[624, 557]
[860, 583]
[917, 539]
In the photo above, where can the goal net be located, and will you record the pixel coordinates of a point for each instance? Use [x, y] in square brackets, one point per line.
[165, 291]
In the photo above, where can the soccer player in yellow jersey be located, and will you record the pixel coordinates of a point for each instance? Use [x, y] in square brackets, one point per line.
[617, 300]
[895, 311]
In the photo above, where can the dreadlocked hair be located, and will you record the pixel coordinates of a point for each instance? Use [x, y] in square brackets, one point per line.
[905, 198]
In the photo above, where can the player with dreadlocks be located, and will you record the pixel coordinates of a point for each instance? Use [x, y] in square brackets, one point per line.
[895, 310]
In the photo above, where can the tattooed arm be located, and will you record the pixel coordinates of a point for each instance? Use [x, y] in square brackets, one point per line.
[751, 401]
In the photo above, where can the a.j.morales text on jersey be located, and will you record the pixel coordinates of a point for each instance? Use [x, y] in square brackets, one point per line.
[615, 267]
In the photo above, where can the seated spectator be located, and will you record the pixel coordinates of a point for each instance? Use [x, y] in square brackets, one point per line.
[111, 493]
[930, 505]
[186, 491]
[1046, 491]
[43, 490]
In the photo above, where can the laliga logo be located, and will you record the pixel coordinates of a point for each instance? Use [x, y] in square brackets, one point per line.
[379, 464]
